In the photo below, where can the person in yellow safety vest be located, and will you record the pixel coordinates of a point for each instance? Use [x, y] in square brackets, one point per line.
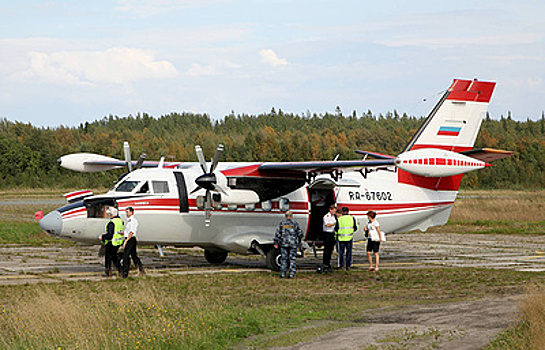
[112, 239]
[344, 233]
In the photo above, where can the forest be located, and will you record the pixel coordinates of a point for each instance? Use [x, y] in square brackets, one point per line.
[28, 154]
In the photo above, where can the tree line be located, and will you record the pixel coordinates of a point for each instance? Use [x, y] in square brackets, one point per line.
[28, 154]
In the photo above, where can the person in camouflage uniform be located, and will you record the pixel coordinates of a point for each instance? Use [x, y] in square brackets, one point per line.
[288, 236]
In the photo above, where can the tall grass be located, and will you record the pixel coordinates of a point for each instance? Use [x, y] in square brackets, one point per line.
[219, 311]
[498, 212]
[529, 333]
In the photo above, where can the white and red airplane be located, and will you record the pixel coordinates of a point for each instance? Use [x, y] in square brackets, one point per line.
[243, 202]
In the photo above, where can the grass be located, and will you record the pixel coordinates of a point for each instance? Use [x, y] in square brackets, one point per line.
[529, 333]
[221, 311]
[497, 212]
[25, 232]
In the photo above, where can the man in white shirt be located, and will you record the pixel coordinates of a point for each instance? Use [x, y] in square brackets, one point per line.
[329, 221]
[129, 245]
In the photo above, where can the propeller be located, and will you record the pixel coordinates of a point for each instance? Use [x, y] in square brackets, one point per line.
[208, 180]
[128, 161]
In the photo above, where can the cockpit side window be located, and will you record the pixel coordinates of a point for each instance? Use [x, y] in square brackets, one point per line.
[127, 186]
[144, 188]
[160, 186]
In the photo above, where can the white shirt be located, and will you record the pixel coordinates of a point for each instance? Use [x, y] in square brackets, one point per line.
[329, 219]
[131, 226]
[373, 232]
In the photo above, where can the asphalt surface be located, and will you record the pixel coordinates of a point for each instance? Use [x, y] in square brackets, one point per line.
[24, 264]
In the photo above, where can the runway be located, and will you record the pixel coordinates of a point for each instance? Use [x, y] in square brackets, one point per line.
[55, 263]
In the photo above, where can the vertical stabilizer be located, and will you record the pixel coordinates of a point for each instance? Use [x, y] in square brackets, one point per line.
[456, 119]
[452, 125]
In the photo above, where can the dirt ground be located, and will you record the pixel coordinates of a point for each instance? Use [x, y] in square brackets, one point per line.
[464, 325]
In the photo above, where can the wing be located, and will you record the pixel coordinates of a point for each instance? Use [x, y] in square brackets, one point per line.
[321, 167]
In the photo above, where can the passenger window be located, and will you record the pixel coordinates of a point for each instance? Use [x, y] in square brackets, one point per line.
[200, 202]
[144, 188]
[266, 206]
[160, 186]
[284, 204]
[249, 207]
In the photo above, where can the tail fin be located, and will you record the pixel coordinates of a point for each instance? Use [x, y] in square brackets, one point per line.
[452, 125]
[454, 122]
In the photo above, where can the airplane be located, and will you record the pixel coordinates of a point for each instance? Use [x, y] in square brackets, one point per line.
[242, 203]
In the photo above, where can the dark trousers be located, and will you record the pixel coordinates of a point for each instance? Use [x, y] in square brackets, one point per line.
[130, 252]
[345, 247]
[329, 243]
[110, 256]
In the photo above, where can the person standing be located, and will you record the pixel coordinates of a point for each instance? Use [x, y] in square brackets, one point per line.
[112, 239]
[287, 237]
[344, 231]
[129, 244]
[329, 221]
[375, 236]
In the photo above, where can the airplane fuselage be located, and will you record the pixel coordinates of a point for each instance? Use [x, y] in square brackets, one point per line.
[166, 219]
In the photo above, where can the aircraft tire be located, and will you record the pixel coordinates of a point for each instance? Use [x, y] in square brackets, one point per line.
[273, 259]
[215, 257]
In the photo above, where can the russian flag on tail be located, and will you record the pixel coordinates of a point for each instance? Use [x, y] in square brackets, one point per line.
[449, 131]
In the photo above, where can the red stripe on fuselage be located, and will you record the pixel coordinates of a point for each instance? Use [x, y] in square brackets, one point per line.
[391, 206]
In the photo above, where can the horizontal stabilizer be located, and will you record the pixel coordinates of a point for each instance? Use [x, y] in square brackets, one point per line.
[487, 154]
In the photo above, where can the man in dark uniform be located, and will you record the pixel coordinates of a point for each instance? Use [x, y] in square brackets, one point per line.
[112, 239]
[288, 236]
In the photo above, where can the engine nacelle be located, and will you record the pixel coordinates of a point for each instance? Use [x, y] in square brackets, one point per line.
[434, 162]
[233, 196]
[81, 162]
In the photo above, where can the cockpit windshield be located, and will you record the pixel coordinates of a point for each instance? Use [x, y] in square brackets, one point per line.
[127, 186]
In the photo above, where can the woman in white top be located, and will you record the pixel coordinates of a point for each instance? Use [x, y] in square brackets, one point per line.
[375, 236]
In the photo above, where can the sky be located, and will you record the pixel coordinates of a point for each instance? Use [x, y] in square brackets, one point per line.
[68, 62]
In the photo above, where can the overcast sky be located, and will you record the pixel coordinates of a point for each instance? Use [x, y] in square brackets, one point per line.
[67, 62]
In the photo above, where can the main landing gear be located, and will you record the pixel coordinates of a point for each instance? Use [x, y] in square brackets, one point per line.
[216, 257]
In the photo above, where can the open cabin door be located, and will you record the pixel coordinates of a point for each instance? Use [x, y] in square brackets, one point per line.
[321, 196]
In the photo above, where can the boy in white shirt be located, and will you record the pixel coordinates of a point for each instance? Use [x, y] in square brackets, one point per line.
[375, 236]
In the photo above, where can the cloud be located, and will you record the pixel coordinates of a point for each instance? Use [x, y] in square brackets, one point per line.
[198, 70]
[269, 56]
[117, 65]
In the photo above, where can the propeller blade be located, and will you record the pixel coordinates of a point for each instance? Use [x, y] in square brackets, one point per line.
[207, 208]
[140, 161]
[217, 188]
[216, 158]
[127, 150]
[200, 156]
[196, 189]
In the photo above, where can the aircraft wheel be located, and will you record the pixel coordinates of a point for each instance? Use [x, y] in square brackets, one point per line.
[273, 259]
[215, 257]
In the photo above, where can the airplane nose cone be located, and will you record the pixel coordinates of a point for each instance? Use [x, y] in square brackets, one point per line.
[52, 223]
[206, 181]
